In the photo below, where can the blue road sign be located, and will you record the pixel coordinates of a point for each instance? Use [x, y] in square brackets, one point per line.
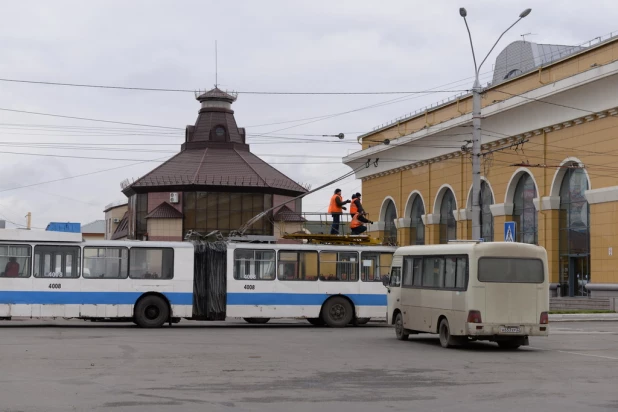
[509, 231]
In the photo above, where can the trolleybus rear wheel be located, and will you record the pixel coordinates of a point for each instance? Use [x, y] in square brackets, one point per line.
[316, 321]
[256, 321]
[337, 312]
[151, 312]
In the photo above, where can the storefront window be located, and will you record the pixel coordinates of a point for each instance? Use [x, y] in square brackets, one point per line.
[448, 224]
[205, 212]
[524, 212]
[417, 228]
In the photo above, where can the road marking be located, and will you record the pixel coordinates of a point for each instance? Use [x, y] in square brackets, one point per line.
[573, 353]
[577, 332]
[586, 354]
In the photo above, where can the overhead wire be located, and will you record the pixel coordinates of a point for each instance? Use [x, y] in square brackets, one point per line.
[156, 89]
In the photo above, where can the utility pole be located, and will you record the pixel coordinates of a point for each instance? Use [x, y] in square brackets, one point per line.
[29, 220]
[476, 127]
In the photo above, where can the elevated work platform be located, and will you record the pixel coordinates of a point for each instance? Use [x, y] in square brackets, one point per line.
[334, 239]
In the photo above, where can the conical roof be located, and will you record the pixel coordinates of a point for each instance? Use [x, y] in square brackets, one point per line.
[217, 94]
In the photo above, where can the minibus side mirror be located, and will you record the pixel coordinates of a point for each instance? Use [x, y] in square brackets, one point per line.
[385, 280]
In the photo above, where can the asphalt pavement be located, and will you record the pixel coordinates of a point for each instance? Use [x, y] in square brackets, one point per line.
[291, 366]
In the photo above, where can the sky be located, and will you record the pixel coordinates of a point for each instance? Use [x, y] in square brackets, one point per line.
[265, 46]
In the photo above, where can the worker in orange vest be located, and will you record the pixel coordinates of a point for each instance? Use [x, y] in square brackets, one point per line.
[356, 206]
[357, 225]
[335, 209]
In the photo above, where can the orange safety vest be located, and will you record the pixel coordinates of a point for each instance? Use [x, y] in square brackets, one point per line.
[332, 207]
[355, 222]
[353, 208]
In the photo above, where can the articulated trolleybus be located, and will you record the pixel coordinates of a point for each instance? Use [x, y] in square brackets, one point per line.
[55, 274]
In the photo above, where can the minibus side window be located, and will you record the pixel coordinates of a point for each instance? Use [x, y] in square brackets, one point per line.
[395, 277]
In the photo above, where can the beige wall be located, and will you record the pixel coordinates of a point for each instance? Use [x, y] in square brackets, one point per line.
[281, 228]
[111, 214]
[93, 236]
[165, 229]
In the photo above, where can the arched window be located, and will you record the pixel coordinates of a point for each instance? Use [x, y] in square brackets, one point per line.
[417, 228]
[390, 230]
[524, 212]
[574, 233]
[448, 224]
[487, 219]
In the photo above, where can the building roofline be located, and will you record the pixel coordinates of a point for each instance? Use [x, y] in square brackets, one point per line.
[613, 37]
[114, 206]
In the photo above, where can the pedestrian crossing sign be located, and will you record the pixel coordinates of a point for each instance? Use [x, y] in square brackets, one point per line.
[509, 231]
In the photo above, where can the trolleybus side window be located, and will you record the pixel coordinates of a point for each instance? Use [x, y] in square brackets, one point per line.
[151, 263]
[51, 261]
[106, 262]
[375, 265]
[15, 261]
[339, 266]
[254, 264]
[297, 265]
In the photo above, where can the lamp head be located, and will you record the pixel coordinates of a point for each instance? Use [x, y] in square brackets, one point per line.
[525, 13]
[463, 12]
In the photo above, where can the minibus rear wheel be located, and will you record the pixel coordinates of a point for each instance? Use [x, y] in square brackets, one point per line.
[446, 339]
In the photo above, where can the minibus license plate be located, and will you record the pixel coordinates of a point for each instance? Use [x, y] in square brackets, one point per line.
[510, 329]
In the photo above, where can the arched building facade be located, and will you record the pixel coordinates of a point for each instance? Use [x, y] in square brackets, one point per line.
[548, 164]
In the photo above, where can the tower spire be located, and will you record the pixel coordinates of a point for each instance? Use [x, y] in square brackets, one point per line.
[216, 67]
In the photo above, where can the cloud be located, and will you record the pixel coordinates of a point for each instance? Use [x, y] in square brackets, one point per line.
[277, 45]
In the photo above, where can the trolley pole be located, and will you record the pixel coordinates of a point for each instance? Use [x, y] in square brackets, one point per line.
[476, 127]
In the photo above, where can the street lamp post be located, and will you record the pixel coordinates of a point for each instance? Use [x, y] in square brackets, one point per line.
[476, 127]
